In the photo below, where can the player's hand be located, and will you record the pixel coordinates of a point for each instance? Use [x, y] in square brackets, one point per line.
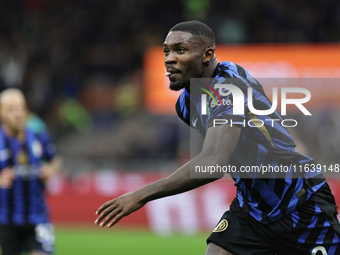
[6, 177]
[118, 208]
[46, 172]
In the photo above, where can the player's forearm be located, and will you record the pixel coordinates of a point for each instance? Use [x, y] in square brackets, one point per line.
[50, 169]
[55, 164]
[180, 181]
[218, 147]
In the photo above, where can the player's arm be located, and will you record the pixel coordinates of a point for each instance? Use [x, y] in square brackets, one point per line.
[50, 168]
[219, 145]
[6, 177]
[52, 161]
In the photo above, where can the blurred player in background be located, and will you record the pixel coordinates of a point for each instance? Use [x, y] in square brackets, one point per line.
[27, 161]
[280, 215]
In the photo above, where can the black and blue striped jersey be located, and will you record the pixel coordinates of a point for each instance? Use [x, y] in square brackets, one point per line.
[24, 203]
[267, 197]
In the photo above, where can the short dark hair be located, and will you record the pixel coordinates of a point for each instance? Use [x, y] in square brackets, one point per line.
[196, 28]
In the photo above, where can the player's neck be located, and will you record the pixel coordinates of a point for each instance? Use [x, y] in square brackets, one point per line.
[210, 70]
[16, 133]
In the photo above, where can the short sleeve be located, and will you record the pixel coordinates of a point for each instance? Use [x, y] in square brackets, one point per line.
[49, 149]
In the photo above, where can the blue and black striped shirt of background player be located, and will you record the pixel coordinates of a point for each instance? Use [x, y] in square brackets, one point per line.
[24, 203]
[267, 198]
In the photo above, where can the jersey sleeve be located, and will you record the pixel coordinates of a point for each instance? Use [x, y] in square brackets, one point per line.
[4, 152]
[182, 107]
[48, 148]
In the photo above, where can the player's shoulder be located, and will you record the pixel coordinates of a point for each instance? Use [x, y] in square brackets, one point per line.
[228, 69]
[232, 69]
[228, 66]
[34, 134]
[183, 105]
[30, 131]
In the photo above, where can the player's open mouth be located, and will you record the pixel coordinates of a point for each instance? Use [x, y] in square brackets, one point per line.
[171, 72]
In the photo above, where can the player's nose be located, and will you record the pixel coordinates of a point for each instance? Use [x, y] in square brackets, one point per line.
[170, 58]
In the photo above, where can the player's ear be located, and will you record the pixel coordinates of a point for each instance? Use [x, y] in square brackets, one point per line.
[208, 55]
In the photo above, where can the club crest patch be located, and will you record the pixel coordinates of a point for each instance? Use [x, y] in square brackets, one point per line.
[223, 225]
[37, 148]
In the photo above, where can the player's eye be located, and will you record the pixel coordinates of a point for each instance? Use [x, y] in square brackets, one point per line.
[181, 50]
[166, 51]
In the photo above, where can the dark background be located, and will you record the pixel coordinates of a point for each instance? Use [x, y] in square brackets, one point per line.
[76, 61]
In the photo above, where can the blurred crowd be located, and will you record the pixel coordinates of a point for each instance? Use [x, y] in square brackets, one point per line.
[80, 62]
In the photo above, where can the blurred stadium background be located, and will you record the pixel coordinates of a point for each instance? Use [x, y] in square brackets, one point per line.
[93, 73]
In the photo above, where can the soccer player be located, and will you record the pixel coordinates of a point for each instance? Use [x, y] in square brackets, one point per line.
[282, 215]
[27, 161]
